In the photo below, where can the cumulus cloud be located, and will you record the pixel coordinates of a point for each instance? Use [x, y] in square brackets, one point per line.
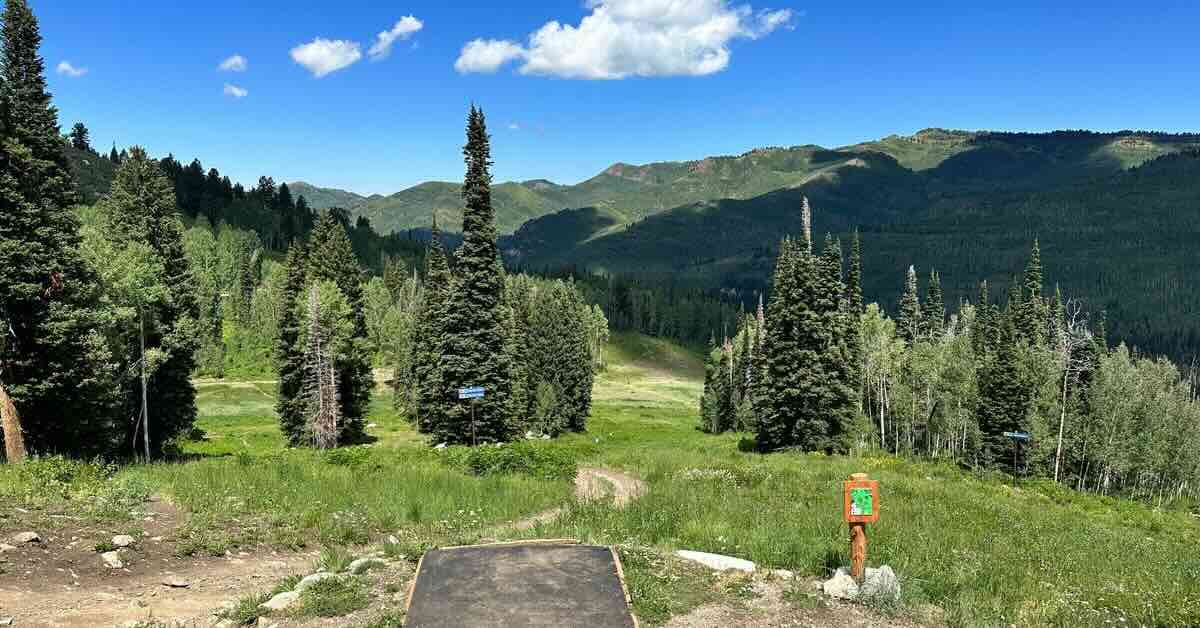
[236, 63]
[65, 67]
[622, 38]
[235, 91]
[487, 55]
[323, 56]
[403, 29]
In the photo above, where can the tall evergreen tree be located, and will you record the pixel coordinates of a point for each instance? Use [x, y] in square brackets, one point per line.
[289, 356]
[140, 208]
[80, 139]
[933, 313]
[474, 347]
[1031, 321]
[1003, 398]
[838, 390]
[430, 339]
[908, 322]
[331, 257]
[53, 360]
[854, 293]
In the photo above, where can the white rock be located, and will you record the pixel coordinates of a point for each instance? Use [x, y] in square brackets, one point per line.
[881, 583]
[6, 621]
[5, 547]
[717, 561]
[783, 574]
[123, 540]
[112, 560]
[280, 601]
[223, 623]
[363, 565]
[440, 446]
[26, 537]
[176, 583]
[308, 581]
[841, 585]
[371, 425]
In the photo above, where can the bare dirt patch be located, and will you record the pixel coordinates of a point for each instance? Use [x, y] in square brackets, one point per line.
[591, 483]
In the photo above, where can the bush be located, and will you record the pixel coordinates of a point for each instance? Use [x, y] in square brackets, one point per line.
[532, 458]
[357, 456]
[332, 597]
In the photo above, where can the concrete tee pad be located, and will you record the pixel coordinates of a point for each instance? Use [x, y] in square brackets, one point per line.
[530, 584]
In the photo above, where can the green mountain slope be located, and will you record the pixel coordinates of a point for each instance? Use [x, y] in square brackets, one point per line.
[324, 198]
[1124, 242]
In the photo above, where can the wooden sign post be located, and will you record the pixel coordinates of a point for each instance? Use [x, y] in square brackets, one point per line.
[860, 506]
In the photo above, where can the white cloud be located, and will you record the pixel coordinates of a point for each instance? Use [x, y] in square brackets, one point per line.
[235, 91]
[323, 56]
[65, 67]
[404, 28]
[487, 55]
[236, 63]
[622, 38]
[513, 126]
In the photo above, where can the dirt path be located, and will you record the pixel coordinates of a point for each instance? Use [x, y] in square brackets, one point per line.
[590, 483]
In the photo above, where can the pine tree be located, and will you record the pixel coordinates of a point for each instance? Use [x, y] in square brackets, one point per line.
[723, 416]
[854, 293]
[429, 341]
[1031, 323]
[331, 257]
[53, 360]
[113, 156]
[289, 356]
[474, 347]
[933, 313]
[908, 323]
[781, 394]
[140, 208]
[710, 399]
[838, 391]
[1004, 399]
[80, 139]
[578, 376]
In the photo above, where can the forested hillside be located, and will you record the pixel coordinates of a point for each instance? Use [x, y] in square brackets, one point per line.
[1119, 241]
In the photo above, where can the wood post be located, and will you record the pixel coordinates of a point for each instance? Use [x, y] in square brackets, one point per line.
[858, 540]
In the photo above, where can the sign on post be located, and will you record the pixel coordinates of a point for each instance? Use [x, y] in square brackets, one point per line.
[472, 392]
[860, 506]
[1017, 435]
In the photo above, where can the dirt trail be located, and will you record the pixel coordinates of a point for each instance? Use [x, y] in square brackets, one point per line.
[590, 483]
[122, 598]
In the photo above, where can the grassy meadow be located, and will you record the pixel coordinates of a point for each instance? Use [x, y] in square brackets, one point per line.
[981, 551]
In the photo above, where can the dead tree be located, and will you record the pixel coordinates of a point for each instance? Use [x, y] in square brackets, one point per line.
[1074, 335]
[321, 381]
[14, 439]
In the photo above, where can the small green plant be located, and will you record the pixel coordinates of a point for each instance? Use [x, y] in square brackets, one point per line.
[407, 546]
[104, 546]
[358, 456]
[533, 458]
[390, 619]
[332, 597]
[334, 560]
[286, 584]
[247, 610]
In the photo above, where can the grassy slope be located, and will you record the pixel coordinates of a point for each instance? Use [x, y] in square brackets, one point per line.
[986, 553]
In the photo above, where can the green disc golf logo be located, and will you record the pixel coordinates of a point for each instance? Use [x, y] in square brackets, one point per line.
[861, 503]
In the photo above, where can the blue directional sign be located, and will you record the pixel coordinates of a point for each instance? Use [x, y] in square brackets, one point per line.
[1018, 435]
[473, 392]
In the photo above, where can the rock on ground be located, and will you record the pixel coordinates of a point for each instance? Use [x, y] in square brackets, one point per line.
[26, 537]
[363, 565]
[877, 583]
[717, 561]
[280, 601]
[112, 560]
[308, 581]
[122, 540]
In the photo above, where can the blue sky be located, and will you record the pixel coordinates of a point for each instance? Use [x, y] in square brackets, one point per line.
[615, 80]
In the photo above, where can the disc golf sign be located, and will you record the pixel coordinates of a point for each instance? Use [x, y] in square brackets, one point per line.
[861, 501]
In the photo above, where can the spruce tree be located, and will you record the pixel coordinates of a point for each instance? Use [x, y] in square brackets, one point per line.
[908, 322]
[331, 257]
[933, 313]
[80, 139]
[578, 376]
[53, 360]
[1003, 398]
[289, 356]
[1032, 313]
[837, 392]
[474, 347]
[140, 208]
[781, 393]
[854, 293]
[710, 398]
[429, 341]
[723, 414]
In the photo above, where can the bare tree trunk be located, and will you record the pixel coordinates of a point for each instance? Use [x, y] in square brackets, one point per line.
[1062, 421]
[145, 384]
[14, 440]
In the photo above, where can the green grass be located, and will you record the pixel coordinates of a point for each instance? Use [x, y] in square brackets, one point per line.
[332, 597]
[984, 552]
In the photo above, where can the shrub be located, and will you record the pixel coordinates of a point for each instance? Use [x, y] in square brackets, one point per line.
[332, 597]
[531, 458]
[334, 560]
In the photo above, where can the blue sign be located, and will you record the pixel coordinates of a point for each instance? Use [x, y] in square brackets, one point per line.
[473, 392]
[1018, 435]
